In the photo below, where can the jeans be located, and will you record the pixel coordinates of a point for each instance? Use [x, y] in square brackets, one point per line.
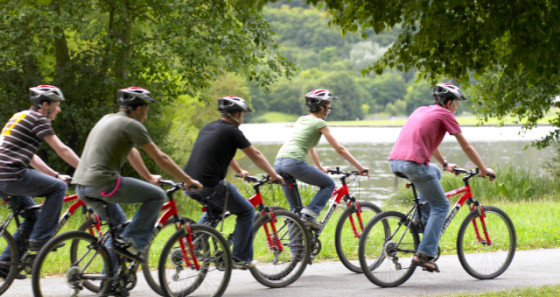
[215, 199]
[309, 175]
[131, 190]
[426, 179]
[35, 184]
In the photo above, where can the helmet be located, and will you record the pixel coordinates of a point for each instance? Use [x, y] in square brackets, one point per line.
[444, 92]
[318, 97]
[42, 93]
[134, 96]
[231, 104]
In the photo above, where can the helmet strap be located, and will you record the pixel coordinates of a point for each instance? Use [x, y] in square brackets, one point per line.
[231, 117]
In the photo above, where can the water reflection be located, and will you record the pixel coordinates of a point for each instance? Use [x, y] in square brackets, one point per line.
[498, 147]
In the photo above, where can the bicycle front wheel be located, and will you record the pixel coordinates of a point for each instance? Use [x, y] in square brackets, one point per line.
[204, 268]
[56, 274]
[486, 244]
[281, 247]
[8, 267]
[386, 249]
[349, 230]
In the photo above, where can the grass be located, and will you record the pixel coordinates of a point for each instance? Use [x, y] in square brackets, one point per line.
[544, 291]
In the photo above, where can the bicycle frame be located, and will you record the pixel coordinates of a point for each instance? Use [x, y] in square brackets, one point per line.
[258, 203]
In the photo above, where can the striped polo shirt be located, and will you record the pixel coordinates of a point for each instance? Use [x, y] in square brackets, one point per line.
[20, 140]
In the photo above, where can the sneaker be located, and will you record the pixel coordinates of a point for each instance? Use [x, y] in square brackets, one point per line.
[36, 245]
[5, 270]
[127, 249]
[310, 222]
[239, 264]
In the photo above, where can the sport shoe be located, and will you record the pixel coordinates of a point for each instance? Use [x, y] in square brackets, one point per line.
[127, 249]
[5, 270]
[239, 264]
[36, 245]
[310, 222]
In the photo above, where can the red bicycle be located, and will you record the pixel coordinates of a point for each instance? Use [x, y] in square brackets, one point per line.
[23, 263]
[486, 239]
[350, 223]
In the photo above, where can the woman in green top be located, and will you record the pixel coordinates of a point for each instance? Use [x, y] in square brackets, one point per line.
[291, 158]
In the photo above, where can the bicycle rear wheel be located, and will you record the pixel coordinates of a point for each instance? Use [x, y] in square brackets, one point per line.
[282, 260]
[8, 267]
[348, 231]
[386, 249]
[479, 257]
[56, 274]
[178, 274]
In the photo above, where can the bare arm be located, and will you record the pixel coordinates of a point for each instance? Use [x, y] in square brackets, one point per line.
[473, 155]
[135, 159]
[165, 163]
[258, 158]
[62, 150]
[235, 166]
[341, 150]
[315, 159]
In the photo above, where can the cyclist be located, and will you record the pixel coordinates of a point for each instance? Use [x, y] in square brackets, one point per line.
[213, 152]
[290, 159]
[417, 142]
[19, 141]
[110, 143]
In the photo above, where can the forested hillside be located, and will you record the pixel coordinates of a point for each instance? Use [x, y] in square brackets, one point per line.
[328, 60]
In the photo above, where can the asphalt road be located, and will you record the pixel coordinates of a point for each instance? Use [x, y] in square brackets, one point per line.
[529, 269]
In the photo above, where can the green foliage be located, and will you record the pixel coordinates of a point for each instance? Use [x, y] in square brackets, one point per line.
[90, 49]
[512, 185]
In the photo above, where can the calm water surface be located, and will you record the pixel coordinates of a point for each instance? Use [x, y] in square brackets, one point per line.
[498, 147]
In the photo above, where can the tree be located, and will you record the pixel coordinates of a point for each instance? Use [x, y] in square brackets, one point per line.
[418, 94]
[511, 48]
[341, 84]
[90, 49]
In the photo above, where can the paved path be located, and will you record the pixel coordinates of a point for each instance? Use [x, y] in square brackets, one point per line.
[529, 269]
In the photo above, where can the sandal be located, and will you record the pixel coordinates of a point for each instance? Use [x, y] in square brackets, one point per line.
[426, 262]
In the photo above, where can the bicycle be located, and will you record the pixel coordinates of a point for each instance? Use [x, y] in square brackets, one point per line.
[89, 265]
[23, 263]
[486, 239]
[196, 257]
[280, 242]
[350, 225]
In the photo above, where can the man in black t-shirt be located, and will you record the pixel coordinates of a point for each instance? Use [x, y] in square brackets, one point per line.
[211, 155]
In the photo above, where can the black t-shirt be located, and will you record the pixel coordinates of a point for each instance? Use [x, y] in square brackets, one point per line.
[213, 150]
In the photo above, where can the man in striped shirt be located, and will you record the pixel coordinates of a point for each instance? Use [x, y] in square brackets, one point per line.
[19, 141]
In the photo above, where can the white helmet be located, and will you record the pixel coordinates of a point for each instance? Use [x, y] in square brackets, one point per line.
[231, 104]
[318, 97]
[42, 93]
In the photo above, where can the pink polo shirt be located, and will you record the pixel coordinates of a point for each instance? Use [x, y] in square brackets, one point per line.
[422, 134]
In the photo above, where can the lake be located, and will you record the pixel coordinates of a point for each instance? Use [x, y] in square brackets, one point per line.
[497, 146]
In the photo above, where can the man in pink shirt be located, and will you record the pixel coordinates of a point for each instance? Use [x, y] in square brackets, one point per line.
[418, 141]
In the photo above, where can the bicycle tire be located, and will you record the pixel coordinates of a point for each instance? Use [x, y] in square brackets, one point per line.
[386, 249]
[479, 259]
[152, 254]
[280, 268]
[213, 255]
[90, 263]
[345, 240]
[8, 241]
[85, 227]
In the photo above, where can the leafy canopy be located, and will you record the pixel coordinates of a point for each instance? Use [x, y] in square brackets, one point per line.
[508, 49]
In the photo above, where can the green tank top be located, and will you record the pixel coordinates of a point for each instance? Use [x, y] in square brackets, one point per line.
[305, 136]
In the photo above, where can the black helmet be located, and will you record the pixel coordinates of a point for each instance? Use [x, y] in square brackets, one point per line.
[134, 96]
[231, 104]
[446, 92]
[318, 97]
[42, 93]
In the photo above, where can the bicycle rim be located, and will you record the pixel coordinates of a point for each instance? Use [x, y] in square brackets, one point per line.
[480, 259]
[282, 260]
[386, 249]
[9, 268]
[56, 274]
[153, 252]
[179, 277]
[348, 232]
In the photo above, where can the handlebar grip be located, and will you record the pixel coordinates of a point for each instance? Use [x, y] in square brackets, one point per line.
[491, 175]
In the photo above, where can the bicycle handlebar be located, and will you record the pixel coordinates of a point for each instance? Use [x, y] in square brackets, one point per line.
[470, 173]
[345, 173]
